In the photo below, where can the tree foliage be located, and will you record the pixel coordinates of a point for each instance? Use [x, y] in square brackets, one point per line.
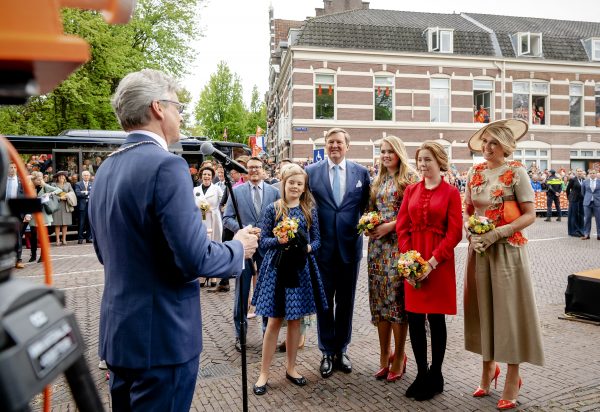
[158, 36]
[221, 106]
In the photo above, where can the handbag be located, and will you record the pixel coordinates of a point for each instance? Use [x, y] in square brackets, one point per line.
[51, 205]
[71, 199]
[510, 208]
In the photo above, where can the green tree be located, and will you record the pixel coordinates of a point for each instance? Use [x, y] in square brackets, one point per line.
[257, 114]
[221, 106]
[158, 36]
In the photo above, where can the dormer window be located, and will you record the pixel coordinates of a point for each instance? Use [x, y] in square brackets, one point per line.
[592, 48]
[528, 44]
[440, 40]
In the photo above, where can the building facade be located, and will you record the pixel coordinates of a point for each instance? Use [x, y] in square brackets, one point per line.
[423, 76]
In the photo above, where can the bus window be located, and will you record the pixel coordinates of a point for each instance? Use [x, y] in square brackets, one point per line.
[93, 160]
[67, 161]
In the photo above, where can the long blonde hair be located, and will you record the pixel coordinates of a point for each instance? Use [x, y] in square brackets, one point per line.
[405, 174]
[306, 199]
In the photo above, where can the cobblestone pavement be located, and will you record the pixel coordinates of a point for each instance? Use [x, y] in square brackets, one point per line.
[569, 381]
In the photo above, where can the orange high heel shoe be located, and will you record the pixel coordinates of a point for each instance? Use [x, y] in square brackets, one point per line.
[504, 404]
[393, 377]
[480, 392]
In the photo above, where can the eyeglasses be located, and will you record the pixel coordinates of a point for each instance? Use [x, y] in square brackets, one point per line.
[254, 167]
[180, 107]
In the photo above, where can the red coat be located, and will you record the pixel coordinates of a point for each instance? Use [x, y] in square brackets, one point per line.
[430, 222]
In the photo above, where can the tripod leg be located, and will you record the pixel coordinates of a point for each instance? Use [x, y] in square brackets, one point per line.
[83, 387]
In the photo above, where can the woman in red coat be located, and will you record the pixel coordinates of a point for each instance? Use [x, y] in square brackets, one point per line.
[430, 222]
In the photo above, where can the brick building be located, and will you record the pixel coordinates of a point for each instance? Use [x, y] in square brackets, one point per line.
[434, 76]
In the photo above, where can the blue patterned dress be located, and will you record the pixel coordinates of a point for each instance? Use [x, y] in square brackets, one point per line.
[386, 287]
[300, 301]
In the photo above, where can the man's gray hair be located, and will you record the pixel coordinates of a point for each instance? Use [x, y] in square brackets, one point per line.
[135, 94]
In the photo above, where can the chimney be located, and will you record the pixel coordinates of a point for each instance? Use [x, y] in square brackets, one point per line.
[338, 6]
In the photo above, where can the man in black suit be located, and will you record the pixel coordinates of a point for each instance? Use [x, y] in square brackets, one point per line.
[14, 189]
[575, 216]
[82, 190]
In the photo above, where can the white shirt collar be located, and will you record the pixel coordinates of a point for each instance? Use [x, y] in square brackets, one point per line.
[342, 164]
[162, 142]
[259, 185]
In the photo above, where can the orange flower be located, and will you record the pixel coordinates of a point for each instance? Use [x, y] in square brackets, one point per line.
[507, 177]
[476, 180]
[493, 214]
[515, 163]
[497, 193]
[479, 167]
[517, 239]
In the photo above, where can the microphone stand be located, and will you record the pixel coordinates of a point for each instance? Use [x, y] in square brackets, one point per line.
[242, 306]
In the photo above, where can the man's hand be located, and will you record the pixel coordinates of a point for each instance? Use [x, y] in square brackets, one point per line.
[249, 241]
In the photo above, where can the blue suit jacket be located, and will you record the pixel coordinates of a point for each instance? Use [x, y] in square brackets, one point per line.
[82, 199]
[243, 195]
[148, 234]
[338, 223]
[586, 191]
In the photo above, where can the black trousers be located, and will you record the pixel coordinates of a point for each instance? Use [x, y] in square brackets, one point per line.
[418, 339]
[552, 198]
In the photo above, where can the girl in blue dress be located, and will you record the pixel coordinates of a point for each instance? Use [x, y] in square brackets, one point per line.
[289, 284]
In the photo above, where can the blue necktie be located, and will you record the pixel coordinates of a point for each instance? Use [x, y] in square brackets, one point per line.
[337, 189]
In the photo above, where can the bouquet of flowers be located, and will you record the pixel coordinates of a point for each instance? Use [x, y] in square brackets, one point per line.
[369, 221]
[204, 207]
[411, 265]
[478, 225]
[286, 229]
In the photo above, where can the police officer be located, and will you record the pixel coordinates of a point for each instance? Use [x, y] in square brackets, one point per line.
[553, 189]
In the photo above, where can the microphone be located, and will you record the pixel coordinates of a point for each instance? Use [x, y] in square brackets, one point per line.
[228, 163]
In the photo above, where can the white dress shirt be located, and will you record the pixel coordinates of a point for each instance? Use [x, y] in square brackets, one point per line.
[13, 189]
[342, 173]
[162, 142]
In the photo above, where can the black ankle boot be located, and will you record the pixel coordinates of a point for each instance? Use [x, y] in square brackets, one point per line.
[434, 384]
[32, 258]
[417, 386]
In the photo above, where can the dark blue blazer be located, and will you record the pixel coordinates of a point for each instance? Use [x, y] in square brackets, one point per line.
[82, 198]
[148, 234]
[338, 223]
[588, 195]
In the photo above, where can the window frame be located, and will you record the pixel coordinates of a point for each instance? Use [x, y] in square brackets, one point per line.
[580, 96]
[437, 32]
[531, 37]
[334, 93]
[449, 97]
[391, 85]
[531, 93]
[595, 50]
[491, 90]
[526, 159]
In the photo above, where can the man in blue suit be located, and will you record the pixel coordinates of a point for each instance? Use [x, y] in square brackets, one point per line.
[341, 191]
[148, 234]
[590, 189]
[253, 197]
[82, 191]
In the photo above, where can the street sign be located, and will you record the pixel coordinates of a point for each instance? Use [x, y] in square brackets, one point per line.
[318, 155]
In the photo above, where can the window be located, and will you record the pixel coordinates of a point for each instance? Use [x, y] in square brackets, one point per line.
[596, 49]
[538, 157]
[324, 96]
[528, 44]
[384, 97]
[440, 100]
[530, 94]
[482, 100]
[440, 40]
[575, 105]
[597, 95]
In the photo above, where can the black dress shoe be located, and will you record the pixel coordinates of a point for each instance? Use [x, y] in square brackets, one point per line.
[301, 381]
[547, 219]
[558, 220]
[326, 366]
[32, 258]
[238, 347]
[80, 241]
[342, 363]
[417, 386]
[259, 390]
[88, 241]
[582, 238]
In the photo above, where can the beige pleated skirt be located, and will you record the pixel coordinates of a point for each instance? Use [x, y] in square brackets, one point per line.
[501, 318]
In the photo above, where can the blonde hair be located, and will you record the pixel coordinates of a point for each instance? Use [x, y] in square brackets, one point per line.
[405, 174]
[437, 151]
[505, 137]
[306, 199]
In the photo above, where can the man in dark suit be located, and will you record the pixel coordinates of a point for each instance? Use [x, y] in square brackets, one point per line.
[590, 189]
[14, 189]
[253, 197]
[341, 191]
[148, 234]
[575, 216]
[82, 191]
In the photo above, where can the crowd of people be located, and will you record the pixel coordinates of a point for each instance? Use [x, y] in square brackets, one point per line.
[294, 235]
[64, 201]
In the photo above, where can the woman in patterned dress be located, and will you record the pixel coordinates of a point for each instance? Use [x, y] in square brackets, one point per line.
[288, 294]
[501, 319]
[386, 287]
